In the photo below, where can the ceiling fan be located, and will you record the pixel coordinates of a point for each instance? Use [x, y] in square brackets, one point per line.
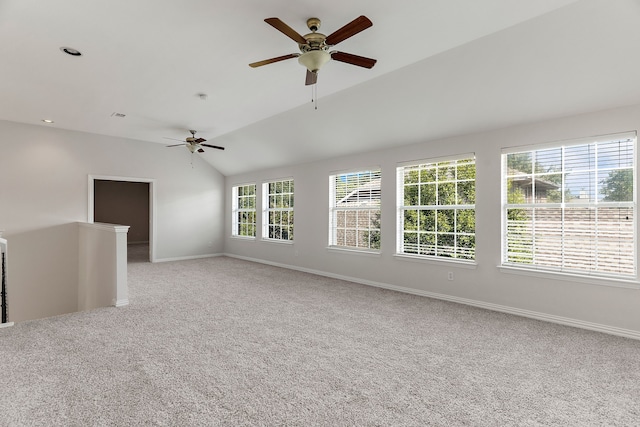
[314, 47]
[194, 144]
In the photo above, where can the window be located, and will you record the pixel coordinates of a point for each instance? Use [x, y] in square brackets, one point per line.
[570, 207]
[278, 210]
[354, 206]
[244, 211]
[436, 208]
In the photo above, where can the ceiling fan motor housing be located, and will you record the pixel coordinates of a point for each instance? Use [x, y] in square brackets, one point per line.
[314, 52]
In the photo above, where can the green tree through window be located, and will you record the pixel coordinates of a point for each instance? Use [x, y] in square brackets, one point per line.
[618, 186]
[438, 209]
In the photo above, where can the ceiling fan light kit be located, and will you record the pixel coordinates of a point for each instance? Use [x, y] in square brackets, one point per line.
[314, 47]
[313, 60]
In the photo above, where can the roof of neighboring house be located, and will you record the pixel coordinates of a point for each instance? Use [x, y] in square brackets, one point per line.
[525, 180]
[365, 193]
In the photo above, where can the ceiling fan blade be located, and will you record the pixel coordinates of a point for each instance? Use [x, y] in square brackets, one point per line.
[176, 145]
[199, 140]
[272, 60]
[312, 78]
[352, 59]
[286, 30]
[212, 146]
[361, 23]
[200, 150]
[173, 139]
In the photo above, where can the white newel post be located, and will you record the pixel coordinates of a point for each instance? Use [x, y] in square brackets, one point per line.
[103, 266]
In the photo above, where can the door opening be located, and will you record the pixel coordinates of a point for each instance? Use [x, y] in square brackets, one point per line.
[126, 201]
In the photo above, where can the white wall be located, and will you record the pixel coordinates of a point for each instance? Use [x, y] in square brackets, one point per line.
[44, 192]
[613, 309]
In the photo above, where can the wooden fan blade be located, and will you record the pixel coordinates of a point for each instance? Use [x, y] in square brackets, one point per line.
[286, 30]
[199, 140]
[173, 139]
[361, 23]
[312, 78]
[272, 60]
[212, 146]
[176, 145]
[352, 59]
[200, 150]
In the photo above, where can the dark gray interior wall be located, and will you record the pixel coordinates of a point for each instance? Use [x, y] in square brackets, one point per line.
[125, 203]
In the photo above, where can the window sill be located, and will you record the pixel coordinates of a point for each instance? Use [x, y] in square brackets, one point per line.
[277, 241]
[471, 265]
[244, 238]
[570, 277]
[338, 249]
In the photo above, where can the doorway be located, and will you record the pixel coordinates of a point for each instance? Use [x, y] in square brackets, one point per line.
[126, 201]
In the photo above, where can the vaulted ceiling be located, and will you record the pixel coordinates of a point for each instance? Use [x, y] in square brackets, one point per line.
[445, 67]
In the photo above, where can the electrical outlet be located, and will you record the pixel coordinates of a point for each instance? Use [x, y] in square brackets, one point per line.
[450, 275]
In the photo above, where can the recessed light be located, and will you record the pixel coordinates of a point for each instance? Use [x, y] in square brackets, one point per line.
[48, 121]
[71, 51]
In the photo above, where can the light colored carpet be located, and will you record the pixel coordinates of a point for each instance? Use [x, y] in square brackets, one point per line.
[138, 252]
[222, 341]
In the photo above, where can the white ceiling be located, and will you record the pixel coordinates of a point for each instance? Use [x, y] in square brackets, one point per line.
[445, 67]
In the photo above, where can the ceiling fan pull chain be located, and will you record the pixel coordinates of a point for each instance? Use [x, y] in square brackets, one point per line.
[315, 90]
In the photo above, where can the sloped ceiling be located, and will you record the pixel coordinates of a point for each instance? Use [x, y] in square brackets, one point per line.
[445, 67]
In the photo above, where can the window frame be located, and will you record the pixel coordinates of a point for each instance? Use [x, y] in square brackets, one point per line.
[402, 209]
[592, 276]
[236, 210]
[267, 209]
[374, 173]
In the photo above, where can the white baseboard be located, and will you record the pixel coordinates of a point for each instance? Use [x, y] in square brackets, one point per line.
[612, 330]
[6, 325]
[121, 302]
[186, 258]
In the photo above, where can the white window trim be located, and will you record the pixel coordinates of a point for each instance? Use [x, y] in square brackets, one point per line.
[235, 210]
[354, 251]
[266, 209]
[400, 209]
[333, 210]
[591, 279]
[434, 260]
[569, 142]
[594, 278]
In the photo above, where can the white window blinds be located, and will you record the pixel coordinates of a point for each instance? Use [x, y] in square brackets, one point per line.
[571, 207]
[354, 204]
